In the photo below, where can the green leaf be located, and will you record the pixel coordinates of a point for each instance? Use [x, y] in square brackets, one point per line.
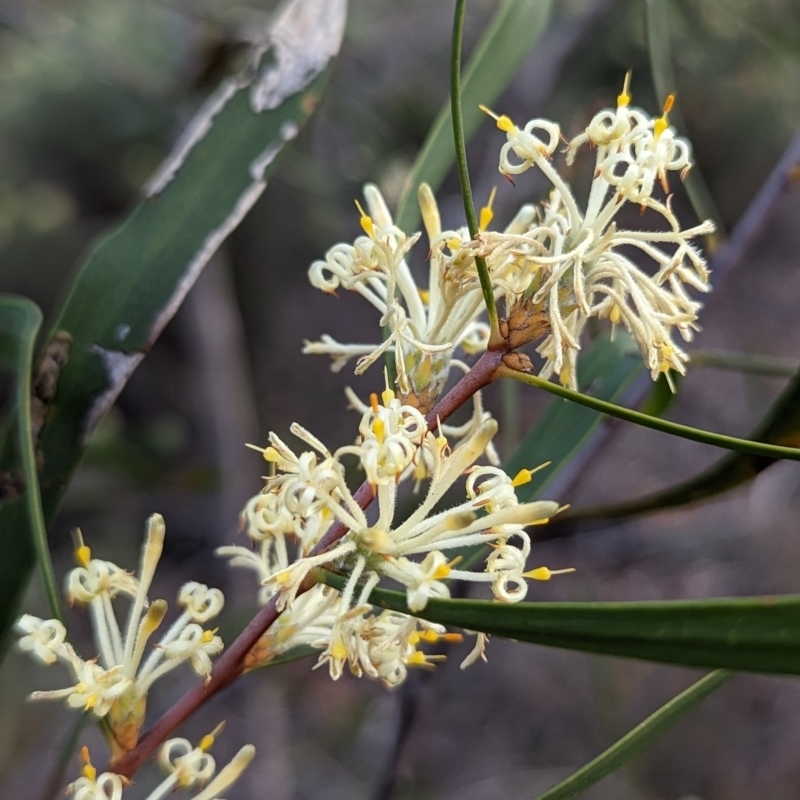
[647, 421]
[605, 371]
[20, 320]
[781, 426]
[497, 57]
[753, 634]
[136, 278]
[637, 739]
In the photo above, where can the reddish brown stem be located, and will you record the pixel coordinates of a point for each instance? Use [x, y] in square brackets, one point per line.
[229, 666]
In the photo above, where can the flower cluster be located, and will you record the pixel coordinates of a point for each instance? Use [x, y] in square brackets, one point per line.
[309, 493]
[187, 768]
[114, 685]
[556, 265]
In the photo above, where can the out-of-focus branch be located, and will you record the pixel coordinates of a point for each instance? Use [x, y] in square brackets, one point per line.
[751, 223]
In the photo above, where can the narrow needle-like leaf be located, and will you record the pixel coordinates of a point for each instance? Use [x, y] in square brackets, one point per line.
[672, 428]
[637, 739]
[461, 159]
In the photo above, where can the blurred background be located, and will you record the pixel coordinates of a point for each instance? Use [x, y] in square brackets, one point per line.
[92, 95]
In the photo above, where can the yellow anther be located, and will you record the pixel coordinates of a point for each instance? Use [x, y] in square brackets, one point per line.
[420, 471]
[425, 296]
[207, 742]
[564, 375]
[624, 99]
[271, 454]
[338, 651]
[454, 243]
[662, 123]
[373, 402]
[418, 658]
[544, 574]
[445, 569]
[503, 122]
[667, 350]
[487, 215]
[387, 395]
[616, 315]
[366, 222]
[208, 636]
[83, 554]
[522, 477]
[379, 429]
[88, 769]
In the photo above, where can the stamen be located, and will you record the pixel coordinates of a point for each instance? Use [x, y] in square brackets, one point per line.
[525, 475]
[387, 395]
[503, 122]
[486, 212]
[83, 553]
[373, 402]
[88, 769]
[662, 123]
[366, 222]
[544, 574]
[207, 742]
[624, 99]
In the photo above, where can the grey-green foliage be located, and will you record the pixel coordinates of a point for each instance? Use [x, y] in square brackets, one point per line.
[136, 277]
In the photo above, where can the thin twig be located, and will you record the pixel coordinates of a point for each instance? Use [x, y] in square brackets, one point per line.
[759, 210]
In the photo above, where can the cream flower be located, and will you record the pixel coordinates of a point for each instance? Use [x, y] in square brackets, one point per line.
[115, 685]
[411, 550]
[187, 767]
[580, 262]
[44, 639]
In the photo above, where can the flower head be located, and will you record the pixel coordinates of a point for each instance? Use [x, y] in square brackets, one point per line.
[413, 549]
[114, 685]
[581, 263]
